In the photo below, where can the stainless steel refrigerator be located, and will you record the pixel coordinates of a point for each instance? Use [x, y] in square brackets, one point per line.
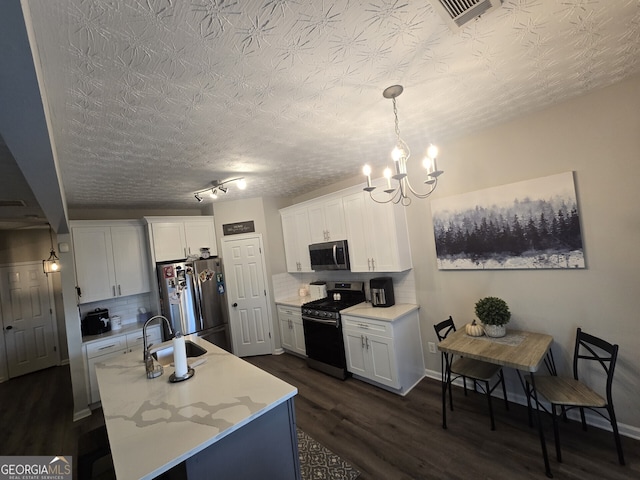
[192, 297]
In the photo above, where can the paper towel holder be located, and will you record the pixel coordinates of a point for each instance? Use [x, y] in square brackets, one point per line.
[186, 376]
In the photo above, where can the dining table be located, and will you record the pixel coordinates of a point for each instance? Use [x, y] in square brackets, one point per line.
[518, 349]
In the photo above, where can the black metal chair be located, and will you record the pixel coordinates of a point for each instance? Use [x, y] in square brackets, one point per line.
[569, 393]
[466, 368]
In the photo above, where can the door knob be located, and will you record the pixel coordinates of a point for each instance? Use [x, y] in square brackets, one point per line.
[9, 327]
[235, 305]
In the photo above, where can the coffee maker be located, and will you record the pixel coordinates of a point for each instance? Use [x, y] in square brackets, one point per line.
[382, 292]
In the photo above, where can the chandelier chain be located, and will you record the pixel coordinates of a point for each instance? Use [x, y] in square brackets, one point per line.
[395, 112]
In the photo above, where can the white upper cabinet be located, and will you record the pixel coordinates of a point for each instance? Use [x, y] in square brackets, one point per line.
[111, 260]
[168, 241]
[130, 259]
[297, 237]
[377, 234]
[175, 238]
[326, 221]
[200, 234]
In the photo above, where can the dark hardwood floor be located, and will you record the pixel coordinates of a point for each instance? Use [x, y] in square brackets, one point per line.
[384, 435]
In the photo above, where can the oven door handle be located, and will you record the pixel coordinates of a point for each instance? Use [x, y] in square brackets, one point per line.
[325, 322]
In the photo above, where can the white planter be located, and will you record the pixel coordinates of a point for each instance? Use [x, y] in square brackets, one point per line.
[495, 330]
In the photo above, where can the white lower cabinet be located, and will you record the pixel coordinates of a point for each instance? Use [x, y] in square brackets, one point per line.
[385, 353]
[99, 351]
[291, 329]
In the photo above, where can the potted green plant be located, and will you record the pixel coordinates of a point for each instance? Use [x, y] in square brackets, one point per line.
[494, 314]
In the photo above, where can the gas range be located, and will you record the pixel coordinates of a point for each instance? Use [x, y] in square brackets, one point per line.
[323, 329]
[340, 295]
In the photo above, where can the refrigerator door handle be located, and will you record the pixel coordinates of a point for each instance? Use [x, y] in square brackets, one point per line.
[197, 293]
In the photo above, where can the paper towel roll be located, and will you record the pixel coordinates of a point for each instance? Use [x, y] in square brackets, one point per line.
[179, 355]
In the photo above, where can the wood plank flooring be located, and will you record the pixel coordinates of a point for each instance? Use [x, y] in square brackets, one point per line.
[384, 435]
[389, 437]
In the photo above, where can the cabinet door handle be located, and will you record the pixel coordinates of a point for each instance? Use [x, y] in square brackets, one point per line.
[113, 287]
[107, 346]
[367, 340]
[362, 340]
[119, 291]
[373, 264]
[369, 263]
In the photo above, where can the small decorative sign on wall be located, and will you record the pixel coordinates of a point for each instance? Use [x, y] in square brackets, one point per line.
[523, 225]
[238, 227]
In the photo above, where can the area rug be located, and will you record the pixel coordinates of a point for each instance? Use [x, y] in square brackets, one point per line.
[317, 462]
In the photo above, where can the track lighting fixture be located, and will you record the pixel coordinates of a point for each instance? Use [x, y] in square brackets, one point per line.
[219, 186]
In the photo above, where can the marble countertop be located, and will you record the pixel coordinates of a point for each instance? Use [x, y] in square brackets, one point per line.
[294, 301]
[387, 314]
[154, 425]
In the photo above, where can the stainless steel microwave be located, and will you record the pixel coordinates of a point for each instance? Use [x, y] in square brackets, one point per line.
[329, 256]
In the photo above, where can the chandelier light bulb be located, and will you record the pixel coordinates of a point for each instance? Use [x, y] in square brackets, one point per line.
[213, 194]
[367, 170]
[55, 266]
[432, 151]
[427, 163]
[397, 154]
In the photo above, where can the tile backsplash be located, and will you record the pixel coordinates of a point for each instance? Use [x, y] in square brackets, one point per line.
[126, 307]
[286, 285]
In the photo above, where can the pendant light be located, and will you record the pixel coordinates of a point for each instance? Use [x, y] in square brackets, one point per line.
[400, 155]
[51, 264]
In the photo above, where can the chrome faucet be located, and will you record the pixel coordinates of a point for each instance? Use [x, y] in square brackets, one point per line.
[152, 372]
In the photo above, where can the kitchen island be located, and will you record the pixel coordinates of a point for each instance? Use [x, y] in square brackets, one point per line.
[230, 420]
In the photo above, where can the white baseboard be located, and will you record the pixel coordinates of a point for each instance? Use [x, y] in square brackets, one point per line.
[80, 414]
[592, 419]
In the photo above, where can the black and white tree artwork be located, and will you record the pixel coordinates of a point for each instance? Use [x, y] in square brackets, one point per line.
[524, 225]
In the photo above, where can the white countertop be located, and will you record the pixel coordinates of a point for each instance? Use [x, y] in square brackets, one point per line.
[294, 301]
[387, 314]
[154, 425]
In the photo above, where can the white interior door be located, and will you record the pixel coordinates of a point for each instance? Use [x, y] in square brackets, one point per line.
[249, 314]
[27, 317]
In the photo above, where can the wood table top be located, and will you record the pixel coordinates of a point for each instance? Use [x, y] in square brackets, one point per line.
[517, 349]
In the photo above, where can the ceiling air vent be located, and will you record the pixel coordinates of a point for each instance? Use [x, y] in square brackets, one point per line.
[12, 203]
[457, 13]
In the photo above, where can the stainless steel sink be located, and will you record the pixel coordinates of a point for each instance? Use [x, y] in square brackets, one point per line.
[164, 356]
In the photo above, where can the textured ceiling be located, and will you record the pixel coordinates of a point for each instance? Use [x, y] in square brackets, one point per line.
[151, 100]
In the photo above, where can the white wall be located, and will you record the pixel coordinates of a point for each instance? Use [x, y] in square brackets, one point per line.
[597, 137]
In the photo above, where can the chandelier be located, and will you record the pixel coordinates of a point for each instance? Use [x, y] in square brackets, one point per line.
[51, 264]
[400, 155]
[218, 186]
